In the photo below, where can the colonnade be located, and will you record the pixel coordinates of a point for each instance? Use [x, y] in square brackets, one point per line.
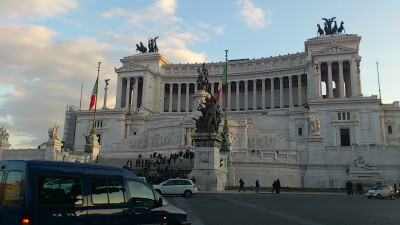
[341, 78]
[243, 95]
[130, 92]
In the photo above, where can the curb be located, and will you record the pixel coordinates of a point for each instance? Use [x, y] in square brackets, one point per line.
[269, 193]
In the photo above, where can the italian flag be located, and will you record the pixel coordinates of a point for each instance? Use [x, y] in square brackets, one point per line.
[222, 83]
[94, 94]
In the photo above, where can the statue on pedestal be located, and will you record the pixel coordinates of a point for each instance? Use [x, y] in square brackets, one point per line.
[210, 117]
[3, 134]
[314, 124]
[53, 133]
[203, 80]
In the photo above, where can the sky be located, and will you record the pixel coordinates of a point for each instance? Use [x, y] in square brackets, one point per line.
[48, 48]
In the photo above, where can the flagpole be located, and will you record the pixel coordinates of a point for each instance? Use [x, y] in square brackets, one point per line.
[80, 102]
[226, 84]
[95, 102]
[379, 83]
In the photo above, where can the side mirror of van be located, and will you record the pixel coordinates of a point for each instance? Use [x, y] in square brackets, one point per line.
[160, 202]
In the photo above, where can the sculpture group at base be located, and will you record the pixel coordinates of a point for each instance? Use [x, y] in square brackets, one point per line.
[210, 117]
[328, 29]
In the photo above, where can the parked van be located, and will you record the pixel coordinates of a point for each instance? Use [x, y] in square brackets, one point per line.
[46, 192]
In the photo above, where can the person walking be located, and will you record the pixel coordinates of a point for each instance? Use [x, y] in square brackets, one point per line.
[257, 186]
[241, 182]
[274, 186]
[278, 186]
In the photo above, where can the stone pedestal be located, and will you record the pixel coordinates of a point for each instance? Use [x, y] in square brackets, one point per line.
[3, 146]
[53, 146]
[316, 174]
[210, 172]
[93, 147]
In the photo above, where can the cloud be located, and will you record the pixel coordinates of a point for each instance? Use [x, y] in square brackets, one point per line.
[203, 25]
[184, 56]
[40, 75]
[218, 30]
[114, 13]
[254, 16]
[36, 9]
[161, 11]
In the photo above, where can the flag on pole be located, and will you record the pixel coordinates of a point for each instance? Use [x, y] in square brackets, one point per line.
[221, 83]
[94, 95]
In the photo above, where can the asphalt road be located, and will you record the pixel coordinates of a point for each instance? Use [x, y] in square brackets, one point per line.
[252, 209]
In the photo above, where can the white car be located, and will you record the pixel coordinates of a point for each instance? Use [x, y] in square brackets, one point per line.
[177, 186]
[381, 191]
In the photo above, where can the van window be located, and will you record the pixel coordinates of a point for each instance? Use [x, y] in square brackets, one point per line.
[106, 191]
[12, 188]
[1, 175]
[141, 194]
[59, 190]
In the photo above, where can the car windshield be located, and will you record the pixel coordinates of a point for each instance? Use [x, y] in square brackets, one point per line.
[376, 187]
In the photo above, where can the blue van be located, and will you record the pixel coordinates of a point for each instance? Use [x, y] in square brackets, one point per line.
[46, 192]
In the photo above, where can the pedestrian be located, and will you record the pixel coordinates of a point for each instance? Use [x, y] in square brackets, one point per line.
[278, 186]
[274, 186]
[257, 186]
[357, 188]
[194, 180]
[351, 188]
[241, 182]
[361, 189]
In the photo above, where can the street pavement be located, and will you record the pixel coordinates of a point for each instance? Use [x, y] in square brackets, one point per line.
[231, 207]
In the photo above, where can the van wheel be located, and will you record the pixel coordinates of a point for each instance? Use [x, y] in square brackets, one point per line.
[378, 196]
[392, 196]
[187, 193]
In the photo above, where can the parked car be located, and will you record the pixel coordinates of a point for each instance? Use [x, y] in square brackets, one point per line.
[48, 193]
[381, 191]
[177, 186]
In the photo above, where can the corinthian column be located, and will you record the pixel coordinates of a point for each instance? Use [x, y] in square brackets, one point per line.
[187, 98]
[246, 95]
[128, 92]
[299, 95]
[179, 97]
[341, 80]
[272, 93]
[254, 94]
[263, 93]
[237, 95]
[290, 92]
[281, 92]
[171, 86]
[330, 88]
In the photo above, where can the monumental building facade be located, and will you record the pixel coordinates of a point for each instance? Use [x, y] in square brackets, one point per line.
[270, 102]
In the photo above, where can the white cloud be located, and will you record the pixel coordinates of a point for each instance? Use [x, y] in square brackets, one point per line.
[254, 16]
[161, 11]
[203, 25]
[218, 30]
[36, 9]
[45, 75]
[184, 56]
[114, 13]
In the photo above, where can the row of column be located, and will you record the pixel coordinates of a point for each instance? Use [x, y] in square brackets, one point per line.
[355, 88]
[129, 95]
[246, 94]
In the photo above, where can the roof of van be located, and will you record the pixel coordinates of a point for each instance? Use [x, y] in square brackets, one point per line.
[74, 164]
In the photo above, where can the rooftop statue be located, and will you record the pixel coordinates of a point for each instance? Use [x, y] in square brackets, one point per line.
[3, 134]
[153, 45]
[328, 29]
[53, 132]
[141, 48]
[203, 80]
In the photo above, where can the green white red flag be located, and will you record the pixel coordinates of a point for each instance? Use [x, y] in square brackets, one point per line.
[94, 95]
[221, 83]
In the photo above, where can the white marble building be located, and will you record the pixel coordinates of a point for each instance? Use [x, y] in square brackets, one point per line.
[269, 103]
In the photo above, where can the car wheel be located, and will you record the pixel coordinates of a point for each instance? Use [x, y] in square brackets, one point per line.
[369, 196]
[392, 196]
[158, 190]
[379, 196]
[187, 193]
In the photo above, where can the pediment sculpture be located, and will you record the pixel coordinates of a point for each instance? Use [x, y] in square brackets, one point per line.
[4, 135]
[53, 133]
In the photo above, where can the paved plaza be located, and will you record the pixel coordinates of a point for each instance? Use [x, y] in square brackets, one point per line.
[287, 208]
